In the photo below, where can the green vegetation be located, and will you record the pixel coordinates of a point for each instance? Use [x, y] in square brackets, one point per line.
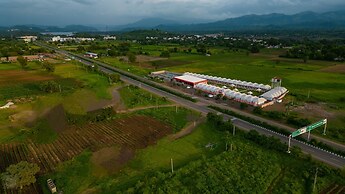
[133, 96]
[72, 176]
[20, 175]
[250, 158]
[114, 78]
[277, 129]
[42, 133]
[176, 117]
[22, 61]
[49, 67]
[49, 86]
[235, 170]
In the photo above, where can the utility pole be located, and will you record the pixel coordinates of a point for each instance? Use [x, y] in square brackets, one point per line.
[308, 94]
[288, 151]
[308, 135]
[172, 165]
[315, 179]
[324, 129]
[233, 130]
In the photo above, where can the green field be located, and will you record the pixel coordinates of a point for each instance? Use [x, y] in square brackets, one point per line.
[79, 89]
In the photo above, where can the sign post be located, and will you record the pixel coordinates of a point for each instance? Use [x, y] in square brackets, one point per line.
[310, 127]
[307, 129]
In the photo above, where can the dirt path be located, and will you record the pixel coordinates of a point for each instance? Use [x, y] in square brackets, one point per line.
[146, 107]
[188, 129]
[115, 101]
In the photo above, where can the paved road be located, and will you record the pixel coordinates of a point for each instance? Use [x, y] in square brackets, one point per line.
[319, 154]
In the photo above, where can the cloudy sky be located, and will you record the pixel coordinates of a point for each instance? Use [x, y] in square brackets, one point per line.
[115, 12]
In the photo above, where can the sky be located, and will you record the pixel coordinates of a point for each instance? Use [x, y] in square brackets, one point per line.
[118, 12]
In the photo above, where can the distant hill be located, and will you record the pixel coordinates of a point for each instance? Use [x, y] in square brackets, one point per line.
[147, 23]
[304, 20]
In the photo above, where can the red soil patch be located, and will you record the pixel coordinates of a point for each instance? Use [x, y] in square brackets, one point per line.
[20, 76]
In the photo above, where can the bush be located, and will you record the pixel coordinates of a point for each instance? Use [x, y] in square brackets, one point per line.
[299, 122]
[48, 66]
[114, 78]
[165, 54]
[91, 117]
[49, 86]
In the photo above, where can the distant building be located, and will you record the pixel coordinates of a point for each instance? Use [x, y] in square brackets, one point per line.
[28, 38]
[56, 38]
[66, 39]
[91, 55]
[109, 38]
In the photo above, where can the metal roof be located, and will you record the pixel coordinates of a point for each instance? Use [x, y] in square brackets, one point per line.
[190, 79]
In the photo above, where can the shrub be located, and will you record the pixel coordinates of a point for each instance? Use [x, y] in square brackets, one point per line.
[49, 86]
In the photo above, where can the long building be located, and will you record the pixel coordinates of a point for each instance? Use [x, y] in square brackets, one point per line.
[189, 80]
[232, 82]
[231, 94]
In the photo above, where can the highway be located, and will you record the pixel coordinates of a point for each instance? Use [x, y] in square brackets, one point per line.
[202, 106]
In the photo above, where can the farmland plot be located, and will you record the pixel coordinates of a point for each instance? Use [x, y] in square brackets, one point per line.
[132, 132]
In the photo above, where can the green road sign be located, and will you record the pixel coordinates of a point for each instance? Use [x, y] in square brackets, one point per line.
[309, 128]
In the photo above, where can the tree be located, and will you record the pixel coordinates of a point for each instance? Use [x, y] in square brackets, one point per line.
[255, 49]
[20, 175]
[131, 57]
[114, 78]
[22, 61]
[165, 54]
[48, 66]
[80, 48]
[49, 86]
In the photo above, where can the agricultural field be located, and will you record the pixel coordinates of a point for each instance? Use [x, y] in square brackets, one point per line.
[79, 91]
[317, 88]
[200, 165]
[127, 134]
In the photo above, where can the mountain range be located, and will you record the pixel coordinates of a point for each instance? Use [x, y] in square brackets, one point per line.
[274, 21]
[303, 20]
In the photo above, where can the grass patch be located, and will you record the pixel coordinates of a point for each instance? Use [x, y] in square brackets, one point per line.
[133, 96]
[42, 133]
